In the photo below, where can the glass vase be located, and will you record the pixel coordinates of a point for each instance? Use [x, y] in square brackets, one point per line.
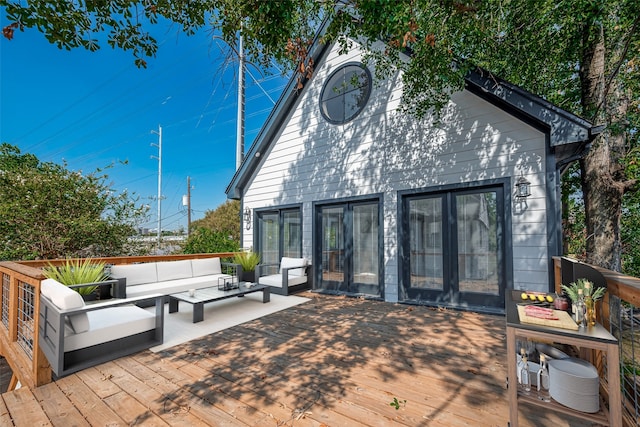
[590, 311]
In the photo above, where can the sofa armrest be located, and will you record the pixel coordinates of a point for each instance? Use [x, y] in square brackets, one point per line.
[286, 269]
[118, 286]
[110, 303]
[285, 276]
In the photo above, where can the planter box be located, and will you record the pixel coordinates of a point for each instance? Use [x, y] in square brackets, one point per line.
[248, 276]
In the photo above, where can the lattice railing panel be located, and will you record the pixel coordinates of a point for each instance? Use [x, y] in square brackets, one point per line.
[6, 283]
[625, 325]
[26, 315]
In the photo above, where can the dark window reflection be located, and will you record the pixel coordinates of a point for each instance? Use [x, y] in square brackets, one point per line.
[345, 93]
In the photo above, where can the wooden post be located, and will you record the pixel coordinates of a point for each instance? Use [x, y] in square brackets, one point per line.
[557, 273]
[13, 308]
[31, 370]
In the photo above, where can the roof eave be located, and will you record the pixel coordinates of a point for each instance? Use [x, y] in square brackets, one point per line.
[564, 127]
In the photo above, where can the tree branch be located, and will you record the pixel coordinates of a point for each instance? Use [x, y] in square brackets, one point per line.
[616, 69]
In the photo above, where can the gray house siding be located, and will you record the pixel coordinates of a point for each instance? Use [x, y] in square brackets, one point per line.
[382, 151]
[479, 138]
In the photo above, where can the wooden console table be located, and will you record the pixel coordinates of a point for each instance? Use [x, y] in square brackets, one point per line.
[594, 337]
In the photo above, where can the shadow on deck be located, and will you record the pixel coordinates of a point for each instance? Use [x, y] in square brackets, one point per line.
[328, 362]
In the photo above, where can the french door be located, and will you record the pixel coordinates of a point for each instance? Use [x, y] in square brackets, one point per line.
[279, 234]
[349, 239]
[453, 248]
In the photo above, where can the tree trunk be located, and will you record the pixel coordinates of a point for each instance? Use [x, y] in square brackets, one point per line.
[601, 173]
[603, 208]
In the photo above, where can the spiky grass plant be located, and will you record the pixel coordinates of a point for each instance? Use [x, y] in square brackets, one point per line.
[588, 289]
[77, 272]
[248, 260]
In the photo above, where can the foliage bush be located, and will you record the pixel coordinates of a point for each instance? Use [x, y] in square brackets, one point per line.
[48, 211]
[224, 219]
[204, 240]
[630, 234]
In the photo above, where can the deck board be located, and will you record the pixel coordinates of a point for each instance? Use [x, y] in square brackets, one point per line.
[91, 405]
[58, 408]
[25, 409]
[332, 361]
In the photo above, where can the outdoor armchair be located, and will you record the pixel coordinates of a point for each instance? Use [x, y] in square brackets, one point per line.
[288, 276]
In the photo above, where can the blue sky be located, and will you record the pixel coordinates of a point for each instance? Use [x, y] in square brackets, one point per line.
[92, 109]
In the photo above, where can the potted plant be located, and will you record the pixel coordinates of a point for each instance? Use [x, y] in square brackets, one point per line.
[248, 261]
[78, 272]
[590, 295]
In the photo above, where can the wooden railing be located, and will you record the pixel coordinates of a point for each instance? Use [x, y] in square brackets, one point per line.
[20, 291]
[132, 259]
[20, 305]
[620, 313]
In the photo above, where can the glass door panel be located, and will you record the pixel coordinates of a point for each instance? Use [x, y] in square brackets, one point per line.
[292, 234]
[269, 238]
[333, 246]
[477, 243]
[366, 251]
[425, 224]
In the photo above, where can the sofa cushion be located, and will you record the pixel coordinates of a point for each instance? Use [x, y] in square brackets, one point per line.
[294, 262]
[174, 286]
[66, 299]
[61, 296]
[111, 323]
[276, 280]
[80, 322]
[171, 270]
[206, 266]
[136, 273]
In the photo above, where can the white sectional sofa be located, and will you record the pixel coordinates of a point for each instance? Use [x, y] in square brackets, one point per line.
[169, 277]
[74, 336]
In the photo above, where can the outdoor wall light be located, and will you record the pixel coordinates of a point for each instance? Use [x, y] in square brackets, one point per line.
[247, 218]
[522, 188]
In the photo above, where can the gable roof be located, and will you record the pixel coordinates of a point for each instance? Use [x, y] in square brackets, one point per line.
[568, 134]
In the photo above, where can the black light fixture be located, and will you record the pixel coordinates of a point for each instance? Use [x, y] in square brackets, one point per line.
[522, 188]
[247, 218]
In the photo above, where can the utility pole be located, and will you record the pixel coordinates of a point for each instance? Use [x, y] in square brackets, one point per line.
[159, 145]
[186, 201]
[240, 121]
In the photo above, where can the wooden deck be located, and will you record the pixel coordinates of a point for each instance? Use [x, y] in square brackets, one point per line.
[332, 361]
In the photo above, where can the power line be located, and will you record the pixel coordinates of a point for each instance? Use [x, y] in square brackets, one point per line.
[118, 99]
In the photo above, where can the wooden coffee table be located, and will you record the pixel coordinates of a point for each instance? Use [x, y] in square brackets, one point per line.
[206, 295]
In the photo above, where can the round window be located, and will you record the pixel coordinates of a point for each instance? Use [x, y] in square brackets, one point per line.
[345, 93]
